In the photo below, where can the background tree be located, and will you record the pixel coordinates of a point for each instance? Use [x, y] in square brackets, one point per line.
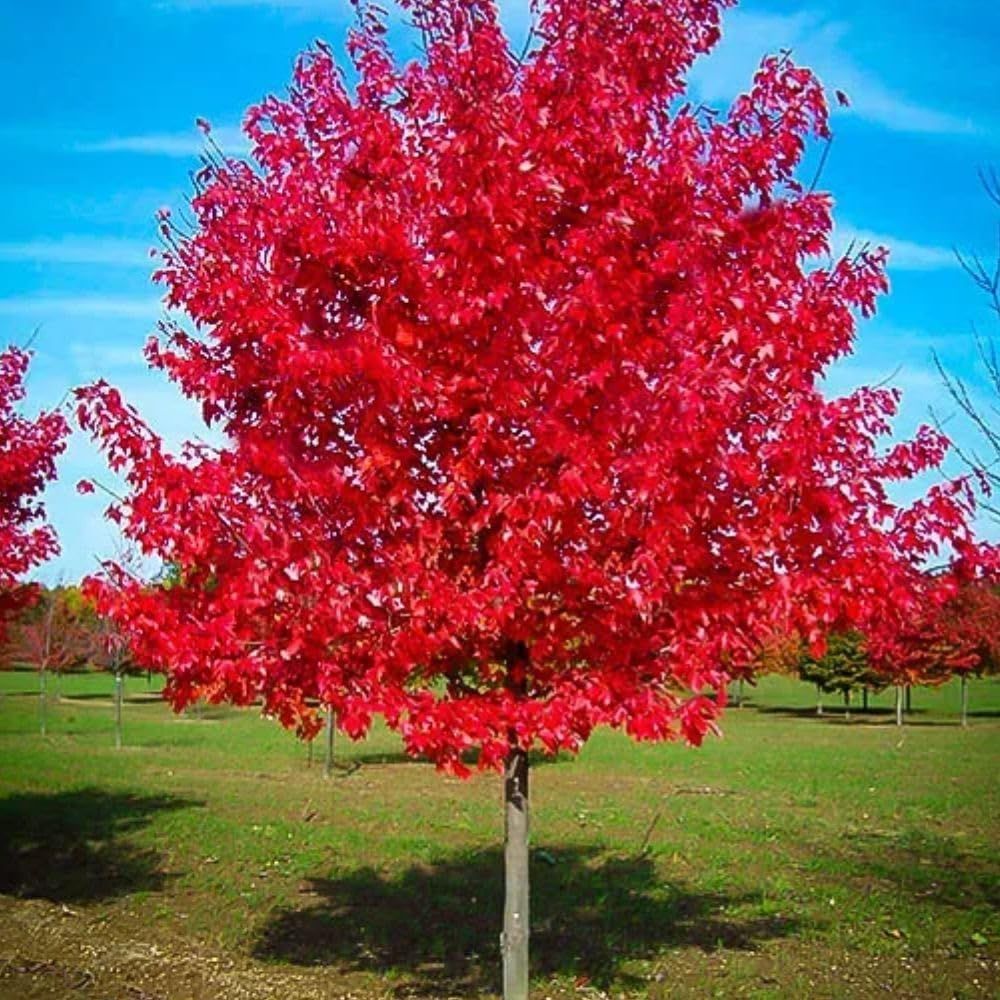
[955, 633]
[110, 651]
[843, 666]
[109, 643]
[969, 635]
[50, 635]
[517, 360]
[967, 628]
[950, 630]
[28, 450]
[779, 654]
[983, 414]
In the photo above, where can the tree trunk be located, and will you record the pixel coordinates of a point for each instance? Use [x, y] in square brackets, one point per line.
[118, 711]
[331, 723]
[899, 705]
[864, 699]
[514, 940]
[909, 699]
[739, 693]
[847, 704]
[965, 699]
[43, 702]
[819, 700]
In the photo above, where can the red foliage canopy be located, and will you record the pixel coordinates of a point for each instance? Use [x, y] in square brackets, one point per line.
[953, 629]
[517, 361]
[28, 450]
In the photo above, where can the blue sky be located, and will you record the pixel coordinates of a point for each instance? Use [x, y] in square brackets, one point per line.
[98, 132]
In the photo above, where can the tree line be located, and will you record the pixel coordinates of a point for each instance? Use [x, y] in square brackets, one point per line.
[958, 637]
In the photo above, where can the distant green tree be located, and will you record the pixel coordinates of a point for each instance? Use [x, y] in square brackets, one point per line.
[844, 667]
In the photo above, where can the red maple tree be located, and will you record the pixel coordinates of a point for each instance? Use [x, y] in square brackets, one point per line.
[517, 361]
[28, 450]
[953, 628]
[54, 634]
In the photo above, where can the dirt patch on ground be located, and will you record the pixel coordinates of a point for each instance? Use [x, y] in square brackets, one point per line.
[51, 951]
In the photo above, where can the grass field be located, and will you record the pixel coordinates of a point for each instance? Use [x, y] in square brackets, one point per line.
[796, 857]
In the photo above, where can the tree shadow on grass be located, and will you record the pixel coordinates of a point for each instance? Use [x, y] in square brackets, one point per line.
[925, 866]
[135, 697]
[832, 711]
[72, 847]
[353, 758]
[437, 926]
[917, 716]
[833, 714]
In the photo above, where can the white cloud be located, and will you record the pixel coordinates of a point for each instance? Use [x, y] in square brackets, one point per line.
[904, 255]
[516, 15]
[820, 44]
[512, 11]
[40, 307]
[229, 138]
[918, 383]
[925, 399]
[317, 6]
[97, 358]
[78, 250]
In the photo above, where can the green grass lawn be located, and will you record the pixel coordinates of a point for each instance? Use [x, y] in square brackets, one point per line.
[794, 857]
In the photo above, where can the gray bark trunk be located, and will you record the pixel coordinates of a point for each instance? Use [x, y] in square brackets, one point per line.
[864, 699]
[965, 699]
[899, 705]
[847, 705]
[739, 693]
[819, 700]
[118, 711]
[909, 698]
[331, 725]
[514, 940]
